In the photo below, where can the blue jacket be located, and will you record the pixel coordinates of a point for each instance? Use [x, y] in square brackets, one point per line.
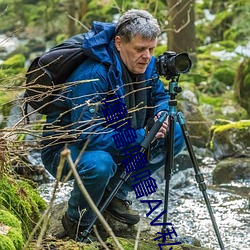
[85, 119]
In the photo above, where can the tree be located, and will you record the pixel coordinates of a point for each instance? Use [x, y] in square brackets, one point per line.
[76, 11]
[181, 27]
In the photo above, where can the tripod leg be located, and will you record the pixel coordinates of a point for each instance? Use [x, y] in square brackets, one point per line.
[123, 178]
[168, 168]
[199, 176]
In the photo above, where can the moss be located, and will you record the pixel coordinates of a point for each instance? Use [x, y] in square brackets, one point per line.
[229, 45]
[128, 244]
[214, 101]
[6, 243]
[13, 71]
[220, 132]
[9, 219]
[21, 199]
[13, 239]
[6, 96]
[16, 61]
[225, 75]
[60, 38]
[235, 125]
[16, 237]
[219, 102]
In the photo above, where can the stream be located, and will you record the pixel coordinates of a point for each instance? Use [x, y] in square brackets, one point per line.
[187, 210]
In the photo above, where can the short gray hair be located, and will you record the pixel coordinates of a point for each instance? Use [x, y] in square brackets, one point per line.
[137, 22]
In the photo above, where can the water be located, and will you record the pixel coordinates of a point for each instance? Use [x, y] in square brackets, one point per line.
[187, 209]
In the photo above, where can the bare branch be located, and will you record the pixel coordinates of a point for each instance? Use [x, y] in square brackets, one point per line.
[66, 154]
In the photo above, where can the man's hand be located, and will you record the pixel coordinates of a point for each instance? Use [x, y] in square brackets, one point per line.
[164, 128]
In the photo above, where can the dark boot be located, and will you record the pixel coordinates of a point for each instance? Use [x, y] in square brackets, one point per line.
[75, 231]
[121, 211]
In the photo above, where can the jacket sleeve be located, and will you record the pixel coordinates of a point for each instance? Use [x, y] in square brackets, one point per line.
[88, 123]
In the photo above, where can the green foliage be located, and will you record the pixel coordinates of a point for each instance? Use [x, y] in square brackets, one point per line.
[224, 75]
[229, 23]
[12, 67]
[216, 67]
[214, 101]
[219, 102]
[17, 61]
[221, 23]
[242, 84]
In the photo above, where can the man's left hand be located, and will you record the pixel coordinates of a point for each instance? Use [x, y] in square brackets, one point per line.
[164, 128]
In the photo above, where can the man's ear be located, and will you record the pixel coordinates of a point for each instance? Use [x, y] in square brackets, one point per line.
[118, 42]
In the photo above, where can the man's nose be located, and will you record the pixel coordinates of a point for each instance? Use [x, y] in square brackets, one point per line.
[146, 54]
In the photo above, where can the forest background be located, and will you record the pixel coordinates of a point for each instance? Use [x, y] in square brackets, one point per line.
[216, 35]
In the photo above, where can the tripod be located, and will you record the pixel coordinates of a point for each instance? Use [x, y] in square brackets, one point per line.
[125, 176]
[173, 90]
[173, 114]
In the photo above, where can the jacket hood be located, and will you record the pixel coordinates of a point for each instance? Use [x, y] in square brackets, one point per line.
[98, 43]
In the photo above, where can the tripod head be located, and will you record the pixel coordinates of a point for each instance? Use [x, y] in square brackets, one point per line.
[174, 89]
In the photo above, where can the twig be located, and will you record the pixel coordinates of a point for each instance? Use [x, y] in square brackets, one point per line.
[99, 238]
[77, 21]
[137, 236]
[66, 154]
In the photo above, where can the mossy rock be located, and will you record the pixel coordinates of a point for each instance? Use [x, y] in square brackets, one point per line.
[22, 200]
[11, 237]
[127, 244]
[149, 243]
[232, 139]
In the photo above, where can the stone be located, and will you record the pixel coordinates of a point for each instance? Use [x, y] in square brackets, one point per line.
[231, 169]
[232, 139]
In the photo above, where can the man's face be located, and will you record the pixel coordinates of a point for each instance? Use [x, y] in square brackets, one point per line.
[137, 53]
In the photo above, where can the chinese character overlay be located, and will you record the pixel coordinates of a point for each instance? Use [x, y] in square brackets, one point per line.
[115, 112]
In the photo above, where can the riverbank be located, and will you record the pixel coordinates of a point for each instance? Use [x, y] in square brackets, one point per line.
[187, 209]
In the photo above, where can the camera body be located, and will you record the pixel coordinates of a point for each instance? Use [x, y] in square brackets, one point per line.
[171, 65]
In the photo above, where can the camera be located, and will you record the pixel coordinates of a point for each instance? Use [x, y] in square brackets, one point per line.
[171, 65]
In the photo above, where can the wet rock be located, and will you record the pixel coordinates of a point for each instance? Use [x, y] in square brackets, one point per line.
[231, 139]
[231, 169]
[197, 125]
[181, 179]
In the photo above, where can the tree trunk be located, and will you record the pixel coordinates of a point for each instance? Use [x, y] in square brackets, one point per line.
[181, 28]
[83, 7]
[71, 6]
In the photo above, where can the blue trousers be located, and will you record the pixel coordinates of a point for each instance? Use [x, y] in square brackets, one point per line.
[99, 171]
